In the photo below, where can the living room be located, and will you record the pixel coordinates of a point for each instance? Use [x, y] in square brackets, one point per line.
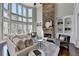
[39, 29]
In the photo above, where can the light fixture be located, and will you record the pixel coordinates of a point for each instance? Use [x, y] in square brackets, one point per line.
[35, 4]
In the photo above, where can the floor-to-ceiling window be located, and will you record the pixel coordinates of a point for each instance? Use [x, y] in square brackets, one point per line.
[16, 19]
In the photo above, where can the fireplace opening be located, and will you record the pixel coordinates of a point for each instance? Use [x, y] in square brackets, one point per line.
[47, 35]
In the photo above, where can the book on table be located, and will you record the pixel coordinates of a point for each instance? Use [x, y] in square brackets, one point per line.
[37, 52]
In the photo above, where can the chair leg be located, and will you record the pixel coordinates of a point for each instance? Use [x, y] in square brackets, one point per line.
[8, 52]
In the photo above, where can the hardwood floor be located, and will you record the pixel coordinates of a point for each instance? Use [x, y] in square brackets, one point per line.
[63, 52]
[77, 51]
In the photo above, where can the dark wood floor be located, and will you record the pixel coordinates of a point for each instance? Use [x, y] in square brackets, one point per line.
[77, 51]
[63, 51]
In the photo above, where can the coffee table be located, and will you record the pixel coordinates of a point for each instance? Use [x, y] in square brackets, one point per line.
[31, 53]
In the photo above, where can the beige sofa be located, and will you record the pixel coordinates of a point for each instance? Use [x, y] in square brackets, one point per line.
[12, 48]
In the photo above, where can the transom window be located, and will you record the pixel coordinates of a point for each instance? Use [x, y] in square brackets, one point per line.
[5, 6]
[24, 11]
[19, 9]
[14, 8]
[6, 10]
[30, 12]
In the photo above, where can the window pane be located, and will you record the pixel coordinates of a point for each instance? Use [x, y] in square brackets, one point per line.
[29, 20]
[5, 29]
[24, 29]
[19, 9]
[14, 17]
[24, 11]
[30, 28]
[24, 20]
[5, 14]
[13, 28]
[30, 12]
[20, 29]
[13, 7]
[5, 5]
[19, 18]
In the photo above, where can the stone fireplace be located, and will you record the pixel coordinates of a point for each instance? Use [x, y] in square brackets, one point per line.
[48, 16]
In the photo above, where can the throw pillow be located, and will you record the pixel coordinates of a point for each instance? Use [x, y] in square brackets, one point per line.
[19, 43]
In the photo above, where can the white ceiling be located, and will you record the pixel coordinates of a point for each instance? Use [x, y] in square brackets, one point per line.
[32, 4]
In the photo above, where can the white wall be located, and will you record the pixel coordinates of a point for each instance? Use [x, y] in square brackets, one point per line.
[39, 19]
[64, 9]
[76, 25]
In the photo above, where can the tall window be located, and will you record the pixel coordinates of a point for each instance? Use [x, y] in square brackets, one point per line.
[20, 20]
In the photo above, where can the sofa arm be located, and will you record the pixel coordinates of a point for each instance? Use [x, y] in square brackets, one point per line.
[11, 47]
[24, 52]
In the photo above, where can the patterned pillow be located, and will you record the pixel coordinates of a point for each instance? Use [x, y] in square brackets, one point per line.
[28, 42]
[19, 43]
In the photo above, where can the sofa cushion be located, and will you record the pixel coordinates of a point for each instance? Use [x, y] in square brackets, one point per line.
[28, 42]
[19, 43]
